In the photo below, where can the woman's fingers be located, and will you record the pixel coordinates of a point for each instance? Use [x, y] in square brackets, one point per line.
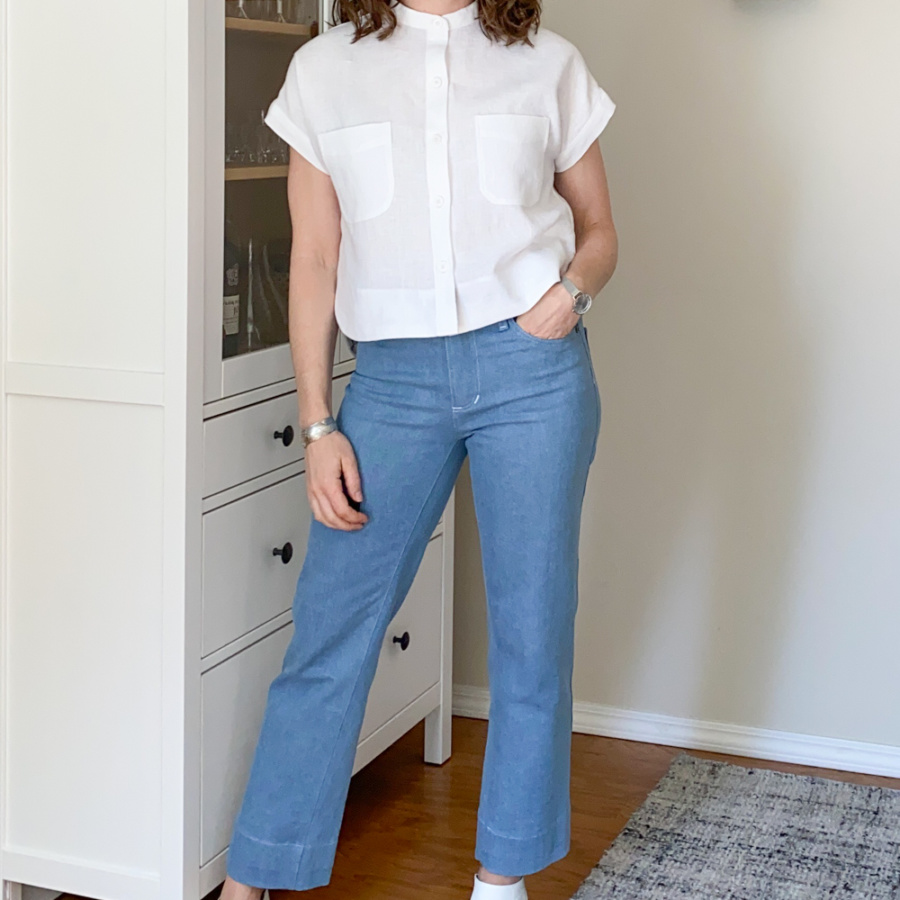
[336, 500]
[327, 499]
[324, 511]
[351, 476]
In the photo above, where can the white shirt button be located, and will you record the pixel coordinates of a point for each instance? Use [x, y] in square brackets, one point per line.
[437, 137]
[443, 265]
[437, 81]
[438, 201]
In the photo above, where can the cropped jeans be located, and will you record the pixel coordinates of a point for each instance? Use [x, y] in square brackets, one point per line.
[526, 411]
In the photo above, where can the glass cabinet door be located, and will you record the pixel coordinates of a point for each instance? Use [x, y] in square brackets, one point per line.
[248, 266]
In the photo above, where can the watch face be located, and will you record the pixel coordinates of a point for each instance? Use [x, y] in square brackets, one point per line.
[582, 302]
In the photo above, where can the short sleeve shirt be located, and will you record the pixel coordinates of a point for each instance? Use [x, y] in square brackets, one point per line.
[442, 146]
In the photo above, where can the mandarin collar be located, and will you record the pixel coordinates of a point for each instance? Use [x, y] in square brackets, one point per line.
[419, 19]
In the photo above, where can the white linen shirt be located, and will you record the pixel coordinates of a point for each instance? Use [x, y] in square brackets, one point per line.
[442, 146]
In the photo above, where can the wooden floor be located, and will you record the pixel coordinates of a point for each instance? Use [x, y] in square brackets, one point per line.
[409, 828]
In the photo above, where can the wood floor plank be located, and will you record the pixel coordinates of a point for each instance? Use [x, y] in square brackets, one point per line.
[409, 827]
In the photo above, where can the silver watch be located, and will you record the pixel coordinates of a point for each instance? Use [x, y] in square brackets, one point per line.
[317, 429]
[582, 299]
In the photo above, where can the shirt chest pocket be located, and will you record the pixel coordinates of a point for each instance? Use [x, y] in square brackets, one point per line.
[511, 150]
[360, 160]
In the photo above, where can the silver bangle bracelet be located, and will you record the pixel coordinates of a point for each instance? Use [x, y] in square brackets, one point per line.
[317, 429]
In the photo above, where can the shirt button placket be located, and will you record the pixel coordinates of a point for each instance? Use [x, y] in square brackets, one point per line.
[437, 162]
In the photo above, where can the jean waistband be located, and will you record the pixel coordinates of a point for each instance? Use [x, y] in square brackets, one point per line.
[503, 324]
[499, 325]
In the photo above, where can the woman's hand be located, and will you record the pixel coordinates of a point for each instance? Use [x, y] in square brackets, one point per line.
[329, 459]
[552, 316]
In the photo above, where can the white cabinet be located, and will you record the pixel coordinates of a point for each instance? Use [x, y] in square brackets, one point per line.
[245, 584]
[250, 441]
[153, 510]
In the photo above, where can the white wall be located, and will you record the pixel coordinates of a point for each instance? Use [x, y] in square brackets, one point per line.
[741, 535]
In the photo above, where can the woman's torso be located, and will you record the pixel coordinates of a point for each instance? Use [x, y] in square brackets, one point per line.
[442, 147]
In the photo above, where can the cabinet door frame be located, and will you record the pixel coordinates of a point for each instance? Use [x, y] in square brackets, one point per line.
[228, 377]
[214, 198]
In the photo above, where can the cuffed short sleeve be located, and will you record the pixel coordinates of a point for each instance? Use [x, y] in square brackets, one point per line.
[288, 114]
[585, 109]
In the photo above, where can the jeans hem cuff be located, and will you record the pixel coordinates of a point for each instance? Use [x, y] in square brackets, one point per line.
[289, 867]
[512, 856]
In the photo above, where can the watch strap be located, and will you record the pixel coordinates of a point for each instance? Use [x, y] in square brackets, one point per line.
[577, 294]
[570, 286]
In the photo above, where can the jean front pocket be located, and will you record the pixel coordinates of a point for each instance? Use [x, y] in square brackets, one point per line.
[518, 329]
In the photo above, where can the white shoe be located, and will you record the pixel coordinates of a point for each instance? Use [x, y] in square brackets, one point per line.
[484, 891]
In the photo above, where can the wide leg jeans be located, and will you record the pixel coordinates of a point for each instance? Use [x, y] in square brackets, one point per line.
[526, 411]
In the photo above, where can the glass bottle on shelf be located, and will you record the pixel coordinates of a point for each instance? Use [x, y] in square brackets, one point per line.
[231, 293]
[254, 303]
[276, 269]
[266, 315]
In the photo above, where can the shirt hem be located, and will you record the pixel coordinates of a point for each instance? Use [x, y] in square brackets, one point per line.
[499, 308]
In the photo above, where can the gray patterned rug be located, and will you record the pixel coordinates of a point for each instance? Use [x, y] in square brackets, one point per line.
[716, 830]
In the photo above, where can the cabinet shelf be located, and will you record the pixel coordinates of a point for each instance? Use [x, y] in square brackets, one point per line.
[261, 26]
[254, 173]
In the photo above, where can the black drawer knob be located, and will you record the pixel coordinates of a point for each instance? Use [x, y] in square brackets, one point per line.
[402, 641]
[285, 552]
[286, 436]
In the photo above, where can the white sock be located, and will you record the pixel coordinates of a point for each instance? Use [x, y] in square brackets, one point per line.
[484, 891]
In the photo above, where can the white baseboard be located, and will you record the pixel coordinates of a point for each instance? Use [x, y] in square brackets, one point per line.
[692, 734]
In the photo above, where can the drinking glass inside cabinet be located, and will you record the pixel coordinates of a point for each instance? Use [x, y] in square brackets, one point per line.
[236, 9]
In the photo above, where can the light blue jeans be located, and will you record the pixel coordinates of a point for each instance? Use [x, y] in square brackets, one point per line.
[526, 410]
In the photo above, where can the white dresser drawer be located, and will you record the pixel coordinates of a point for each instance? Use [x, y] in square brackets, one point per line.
[403, 675]
[241, 445]
[343, 347]
[232, 702]
[244, 583]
